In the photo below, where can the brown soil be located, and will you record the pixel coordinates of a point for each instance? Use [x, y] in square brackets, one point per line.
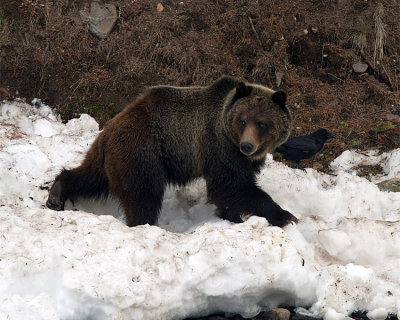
[306, 48]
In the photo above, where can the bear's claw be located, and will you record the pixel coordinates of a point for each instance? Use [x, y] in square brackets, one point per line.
[54, 206]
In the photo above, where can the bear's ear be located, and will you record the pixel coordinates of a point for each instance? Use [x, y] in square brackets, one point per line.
[242, 91]
[279, 97]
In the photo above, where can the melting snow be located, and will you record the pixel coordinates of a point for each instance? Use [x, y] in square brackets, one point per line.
[343, 256]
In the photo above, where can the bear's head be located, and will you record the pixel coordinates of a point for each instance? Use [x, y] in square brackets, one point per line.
[256, 119]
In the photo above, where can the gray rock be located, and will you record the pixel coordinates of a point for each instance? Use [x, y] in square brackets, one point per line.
[276, 314]
[101, 18]
[392, 118]
[360, 67]
[297, 316]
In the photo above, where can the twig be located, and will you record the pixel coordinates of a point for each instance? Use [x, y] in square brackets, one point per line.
[384, 78]
[387, 76]
[375, 112]
[335, 77]
[367, 62]
[351, 131]
[255, 32]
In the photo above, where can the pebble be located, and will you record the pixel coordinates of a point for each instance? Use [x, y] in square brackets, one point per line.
[360, 67]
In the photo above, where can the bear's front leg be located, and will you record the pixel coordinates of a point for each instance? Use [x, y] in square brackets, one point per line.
[236, 197]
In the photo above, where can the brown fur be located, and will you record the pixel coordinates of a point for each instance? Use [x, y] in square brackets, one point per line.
[173, 135]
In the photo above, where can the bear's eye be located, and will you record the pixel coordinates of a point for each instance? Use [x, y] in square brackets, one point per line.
[242, 123]
[261, 126]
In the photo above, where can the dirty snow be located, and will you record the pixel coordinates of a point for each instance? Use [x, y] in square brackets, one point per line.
[343, 256]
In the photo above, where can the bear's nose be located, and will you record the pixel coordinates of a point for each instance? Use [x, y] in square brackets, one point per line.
[246, 147]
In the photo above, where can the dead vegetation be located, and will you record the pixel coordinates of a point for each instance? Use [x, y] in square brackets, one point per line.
[307, 49]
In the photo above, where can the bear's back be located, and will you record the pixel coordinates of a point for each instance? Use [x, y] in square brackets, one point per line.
[185, 112]
[184, 119]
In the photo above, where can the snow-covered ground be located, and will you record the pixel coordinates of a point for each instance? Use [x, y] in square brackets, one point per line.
[343, 256]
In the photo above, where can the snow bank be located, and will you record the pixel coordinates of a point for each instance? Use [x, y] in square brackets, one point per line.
[343, 256]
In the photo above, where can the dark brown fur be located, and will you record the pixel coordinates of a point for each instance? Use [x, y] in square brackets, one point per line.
[172, 135]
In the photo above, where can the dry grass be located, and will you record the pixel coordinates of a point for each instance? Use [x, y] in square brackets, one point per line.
[359, 42]
[311, 46]
[380, 33]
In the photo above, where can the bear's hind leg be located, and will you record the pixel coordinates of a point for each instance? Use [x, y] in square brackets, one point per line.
[78, 182]
[140, 191]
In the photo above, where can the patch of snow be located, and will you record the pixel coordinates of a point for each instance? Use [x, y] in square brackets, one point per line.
[342, 256]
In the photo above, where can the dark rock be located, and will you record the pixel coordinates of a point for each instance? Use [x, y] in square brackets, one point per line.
[359, 315]
[212, 317]
[298, 316]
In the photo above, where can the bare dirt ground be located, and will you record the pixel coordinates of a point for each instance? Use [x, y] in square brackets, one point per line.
[307, 48]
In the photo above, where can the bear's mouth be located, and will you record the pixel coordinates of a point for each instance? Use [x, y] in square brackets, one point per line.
[247, 148]
[260, 152]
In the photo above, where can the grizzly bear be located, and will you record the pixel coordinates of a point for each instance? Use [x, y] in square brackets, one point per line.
[172, 135]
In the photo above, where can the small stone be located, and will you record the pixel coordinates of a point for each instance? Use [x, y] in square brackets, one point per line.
[391, 185]
[101, 18]
[392, 118]
[360, 67]
[160, 7]
[276, 314]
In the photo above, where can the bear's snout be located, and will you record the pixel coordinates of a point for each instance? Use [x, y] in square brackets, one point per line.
[247, 148]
